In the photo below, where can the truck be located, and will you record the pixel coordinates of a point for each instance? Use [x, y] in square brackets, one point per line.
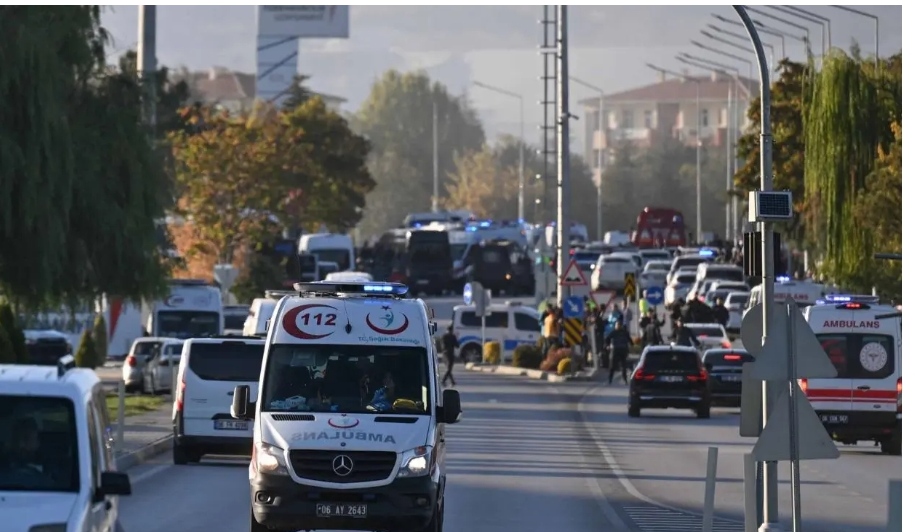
[193, 309]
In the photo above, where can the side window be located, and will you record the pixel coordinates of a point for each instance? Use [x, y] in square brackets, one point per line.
[106, 429]
[836, 347]
[500, 320]
[468, 319]
[525, 322]
[95, 446]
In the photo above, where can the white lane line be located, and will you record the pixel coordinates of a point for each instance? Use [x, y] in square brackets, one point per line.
[619, 472]
[137, 479]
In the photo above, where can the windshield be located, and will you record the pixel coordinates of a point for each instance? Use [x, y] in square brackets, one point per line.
[492, 256]
[427, 252]
[587, 256]
[725, 274]
[173, 350]
[187, 324]
[346, 379]
[341, 257]
[656, 267]
[700, 331]
[38, 444]
[738, 299]
[656, 256]
[146, 349]
[234, 321]
[685, 279]
[232, 360]
[682, 262]
[670, 360]
[457, 251]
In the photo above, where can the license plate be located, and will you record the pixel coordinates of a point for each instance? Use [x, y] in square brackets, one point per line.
[422, 281]
[834, 419]
[670, 378]
[357, 511]
[731, 378]
[229, 424]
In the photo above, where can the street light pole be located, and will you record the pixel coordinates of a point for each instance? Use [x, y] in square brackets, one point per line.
[697, 82]
[521, 170]
[791, 24]
[146, 62]
[735, 45]
[811, 17]
[876, 32]
[601, 163]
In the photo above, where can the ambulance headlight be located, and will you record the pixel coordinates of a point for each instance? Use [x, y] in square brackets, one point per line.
[416, 462]
[270, 460]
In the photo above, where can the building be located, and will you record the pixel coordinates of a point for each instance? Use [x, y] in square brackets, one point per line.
[234, 91]
[646, 115]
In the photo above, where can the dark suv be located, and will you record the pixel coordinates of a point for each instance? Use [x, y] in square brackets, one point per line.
[725, 375]
[669, 377]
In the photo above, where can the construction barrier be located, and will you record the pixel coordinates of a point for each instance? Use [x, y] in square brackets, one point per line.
[573, 332]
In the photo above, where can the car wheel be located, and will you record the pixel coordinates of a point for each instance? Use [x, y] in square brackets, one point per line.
[703, 412]
[182, 455]
[436, 520]
[471, 353]
[634, 411]
[893, 445]
[255, 526]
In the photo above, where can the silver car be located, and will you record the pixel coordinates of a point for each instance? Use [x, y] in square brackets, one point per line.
[142, 350]
[159, 371]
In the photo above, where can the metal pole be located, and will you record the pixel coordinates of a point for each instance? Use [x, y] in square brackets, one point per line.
[792, 414]
[119, 436]
[436, 157]
[146, 61]
[602, 163]
[729, 144]
[564, 165]
[737, 131]
[770, 513]
[698, 160]
[707, 520]
[520, 209]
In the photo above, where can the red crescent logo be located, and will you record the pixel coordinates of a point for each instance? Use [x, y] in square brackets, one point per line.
[291, 327]
[345, 423]
[397, 330]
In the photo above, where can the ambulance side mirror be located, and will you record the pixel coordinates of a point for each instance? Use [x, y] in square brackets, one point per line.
[241, 408]
[451, 411]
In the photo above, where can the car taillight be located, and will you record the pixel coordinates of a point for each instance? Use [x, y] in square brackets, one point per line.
[701, 377]
[725, 344]
[180, 395]
[803, 385]
[641, 375]
[899, 395]
[132, 361]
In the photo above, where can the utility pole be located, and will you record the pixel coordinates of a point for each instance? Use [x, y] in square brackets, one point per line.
[729, 184]
[146, 62]
[564, 161]
[436, 159]
[521, 193]
[698, 160]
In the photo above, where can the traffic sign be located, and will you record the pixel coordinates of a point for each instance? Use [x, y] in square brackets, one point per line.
[788, 331]
[573, 331]
[468, 294]
[573, 275]
[774, 444]
[654, 295]
[597, 298]
[630, 286]
[226, 275]
[574, 307]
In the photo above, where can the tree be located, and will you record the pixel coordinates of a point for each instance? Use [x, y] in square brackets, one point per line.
[171, 96]
[259, 273]
[620, 192]
[297, 94]
[86, 356]
[788, 101]
[100, 339]
[14, 334]
[481, 185]
[7, 353]
[397, 117]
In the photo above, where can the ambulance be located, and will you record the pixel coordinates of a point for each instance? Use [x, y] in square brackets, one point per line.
[349, 416]
[805, 293]
[863, 339]
[193, 309]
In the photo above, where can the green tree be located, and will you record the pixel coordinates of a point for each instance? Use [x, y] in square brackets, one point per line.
[14, 334]
[100, 339]
[297, 94]
[171, 96]
[397, 117]
[483, 186]
[7, 353]
[620, 191]
[258, 273]
[86, 356]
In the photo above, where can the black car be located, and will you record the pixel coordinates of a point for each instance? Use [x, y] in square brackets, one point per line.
[725, 375]
[669, 377]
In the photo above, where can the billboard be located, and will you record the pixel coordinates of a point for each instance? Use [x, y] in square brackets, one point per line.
[305, 22]
[277, 65]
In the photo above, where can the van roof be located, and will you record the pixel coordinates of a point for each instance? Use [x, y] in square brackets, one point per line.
[63, 380]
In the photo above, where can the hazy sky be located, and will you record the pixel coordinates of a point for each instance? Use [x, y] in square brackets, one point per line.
[610, 46]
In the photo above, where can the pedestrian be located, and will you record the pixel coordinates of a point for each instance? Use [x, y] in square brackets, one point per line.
[720, 312]
[450, 344]
[650, 330]
[621, 341]
[545, 327]
[682, 335]
[551, 330]
[643, 304]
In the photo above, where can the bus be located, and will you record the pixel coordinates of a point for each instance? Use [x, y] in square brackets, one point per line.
[658, 227]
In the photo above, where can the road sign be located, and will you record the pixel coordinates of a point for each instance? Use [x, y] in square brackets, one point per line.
[603, 300]
[482, 302]
[573, 331]
[573, 275]
[630, 286]
[775, 442]
[574, 307]
[750, 422]
[579, 290]
[468, 294]
[654, 295]
[810, 358]
[226, 275]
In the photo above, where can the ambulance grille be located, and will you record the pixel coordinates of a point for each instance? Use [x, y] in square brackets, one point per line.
[368, 466]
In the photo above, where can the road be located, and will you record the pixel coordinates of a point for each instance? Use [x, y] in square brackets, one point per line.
[529, 456]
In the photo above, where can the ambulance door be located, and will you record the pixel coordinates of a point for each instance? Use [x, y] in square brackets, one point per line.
[832, 398]
[875, 371]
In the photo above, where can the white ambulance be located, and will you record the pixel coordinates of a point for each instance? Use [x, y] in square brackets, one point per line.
[805, 293]
[193, 309]
[863, 339]
[349, 416]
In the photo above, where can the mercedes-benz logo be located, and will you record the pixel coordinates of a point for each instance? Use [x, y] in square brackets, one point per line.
[342, 465]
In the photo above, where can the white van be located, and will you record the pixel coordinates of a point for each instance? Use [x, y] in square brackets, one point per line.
[864, 401]
[209, 371]
[509, 323]
[193, 308]
[349, 415]
[329, 247]
[805, 293]
[256, 324]
[124, 323]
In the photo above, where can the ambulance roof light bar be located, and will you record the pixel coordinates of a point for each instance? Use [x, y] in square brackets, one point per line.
[335, 288]
[851, 298]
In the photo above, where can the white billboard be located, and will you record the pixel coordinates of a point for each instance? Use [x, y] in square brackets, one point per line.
[307, 22]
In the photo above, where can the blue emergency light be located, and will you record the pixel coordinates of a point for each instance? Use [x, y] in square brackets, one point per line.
[706, 253]
[355, 288]
[835, 299]
[782, 279]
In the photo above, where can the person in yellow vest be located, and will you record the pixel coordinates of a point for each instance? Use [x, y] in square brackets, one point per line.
[643, 304]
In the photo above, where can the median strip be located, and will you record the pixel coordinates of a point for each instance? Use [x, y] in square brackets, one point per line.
[134, 405]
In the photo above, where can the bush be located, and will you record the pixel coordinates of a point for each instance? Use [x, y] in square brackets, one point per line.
[86, 354]
[100, 339]
[491, 353]
[564, 366]
[14, 335]
[7, 354]
[527, 356]
[555, 356]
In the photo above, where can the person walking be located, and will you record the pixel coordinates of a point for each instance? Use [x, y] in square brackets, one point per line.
[643, 304]
[720, 312]
[450, 344]
[621, 341]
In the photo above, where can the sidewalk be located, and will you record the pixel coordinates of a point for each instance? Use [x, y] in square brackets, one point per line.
[145, 436]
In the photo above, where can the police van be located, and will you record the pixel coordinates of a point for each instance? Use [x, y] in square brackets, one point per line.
[59, 472]
[349, 416]
[863, 339]
[511, 324]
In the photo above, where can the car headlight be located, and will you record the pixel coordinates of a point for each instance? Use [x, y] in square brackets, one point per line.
[62, 527]
[415, 462]
[270, 460]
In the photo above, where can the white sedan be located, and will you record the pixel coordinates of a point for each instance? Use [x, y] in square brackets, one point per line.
[710, 335]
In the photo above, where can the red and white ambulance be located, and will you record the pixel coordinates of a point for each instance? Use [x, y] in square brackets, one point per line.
[863, 339]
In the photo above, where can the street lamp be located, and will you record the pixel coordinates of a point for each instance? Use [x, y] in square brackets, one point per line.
[762, 28]
[735, 35]
[791, 24]
[876, 31]
[809, 17]
[725, 54]
[522, 170]
[697, 83]
[739, 46]
[601, 163]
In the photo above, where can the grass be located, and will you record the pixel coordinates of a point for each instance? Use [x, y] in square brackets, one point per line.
[133, 405]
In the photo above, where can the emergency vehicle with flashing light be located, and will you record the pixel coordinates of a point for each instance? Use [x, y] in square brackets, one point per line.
[349, 415]
[805, 293]
[863, 339]
[59, 471]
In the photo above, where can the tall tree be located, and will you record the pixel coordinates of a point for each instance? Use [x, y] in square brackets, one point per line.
[297, 94]
[483, 186]
[620, 190]
[171, 96]
[398, 119]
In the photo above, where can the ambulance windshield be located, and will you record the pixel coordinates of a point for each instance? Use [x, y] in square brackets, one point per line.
[347, 379]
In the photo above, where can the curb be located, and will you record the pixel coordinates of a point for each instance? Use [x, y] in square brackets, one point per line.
[134, 458]
[534, 374]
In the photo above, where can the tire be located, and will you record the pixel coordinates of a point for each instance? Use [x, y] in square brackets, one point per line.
[182, 455]
[472, 353]
[436, 520]
[893, 445]
[703, 412]
[255, 526]
[634, 411]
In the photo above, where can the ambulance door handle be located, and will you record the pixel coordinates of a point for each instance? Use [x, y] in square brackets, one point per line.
[863, 387]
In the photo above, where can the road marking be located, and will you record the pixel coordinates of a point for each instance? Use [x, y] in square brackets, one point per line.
[634, 492]
[149, 473]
